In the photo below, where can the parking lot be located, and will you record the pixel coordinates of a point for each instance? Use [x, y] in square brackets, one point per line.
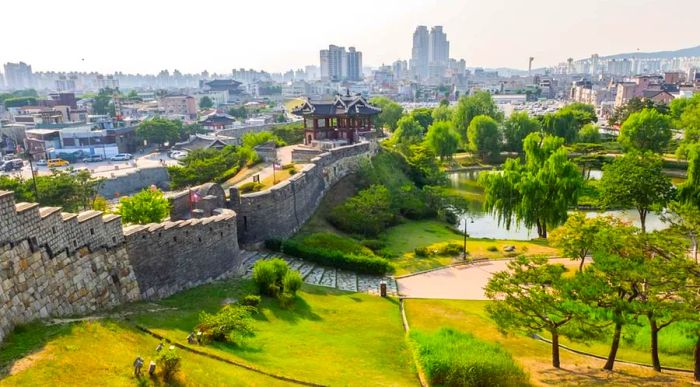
[105, 168]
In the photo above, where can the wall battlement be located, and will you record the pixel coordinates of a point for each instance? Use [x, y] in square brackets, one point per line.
[280, 211]
[54, 263]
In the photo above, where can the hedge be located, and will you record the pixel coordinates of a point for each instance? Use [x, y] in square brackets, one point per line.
[337, 259]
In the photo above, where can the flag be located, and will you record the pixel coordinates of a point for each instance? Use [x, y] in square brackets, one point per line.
[194, 197]
[275, 165]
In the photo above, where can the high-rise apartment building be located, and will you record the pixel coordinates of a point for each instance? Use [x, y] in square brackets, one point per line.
[439, 47]
[420, 52]
[339, 65]
[354, 64]
[18, 76]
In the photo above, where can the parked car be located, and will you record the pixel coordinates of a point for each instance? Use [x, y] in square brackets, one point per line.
[93, 159]
[17, 163]
[41, 162]
[122, 157]
[6, 166]
[55, 163]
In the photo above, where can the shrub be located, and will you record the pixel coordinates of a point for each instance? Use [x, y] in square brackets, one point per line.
[274, 244]
[147, 206]
[492, 249]
[233, 323]
[169, 362]
[367, 213]
[373, 244]
[452, 358]
[451, 249]
[422, 252]
[288, 166]
[250, 187]
[338, 259]
[291, 282]
[100, 203]
[268, 275]
[292, 172]
[337, 242]
[251, 300]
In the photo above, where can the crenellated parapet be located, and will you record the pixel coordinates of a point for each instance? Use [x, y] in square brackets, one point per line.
[280, 210]
[54, 263]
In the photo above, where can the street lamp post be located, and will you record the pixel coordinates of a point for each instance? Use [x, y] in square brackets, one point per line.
[464, 250]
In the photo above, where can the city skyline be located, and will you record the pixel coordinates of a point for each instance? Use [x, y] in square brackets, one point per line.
[277, 41]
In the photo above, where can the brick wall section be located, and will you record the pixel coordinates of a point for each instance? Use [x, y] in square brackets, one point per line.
[57, 264]
[281, 210]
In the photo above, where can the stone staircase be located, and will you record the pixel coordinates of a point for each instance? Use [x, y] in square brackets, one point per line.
[321, 275]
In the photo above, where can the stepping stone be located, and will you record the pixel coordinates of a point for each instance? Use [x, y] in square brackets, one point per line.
[305, 269]
[328, 278]
[296, 264]
[314, 277]
[346, 280]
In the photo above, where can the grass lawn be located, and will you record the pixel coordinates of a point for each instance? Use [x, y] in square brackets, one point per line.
[280, 176]
[403, 239]
[101, 353]
[327, 337]
[535, 356]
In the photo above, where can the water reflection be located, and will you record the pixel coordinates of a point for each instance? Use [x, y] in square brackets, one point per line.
[486, 225]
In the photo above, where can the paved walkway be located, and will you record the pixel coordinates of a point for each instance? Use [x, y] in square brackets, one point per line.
[284, 155]
[323, 276]
[464, 282]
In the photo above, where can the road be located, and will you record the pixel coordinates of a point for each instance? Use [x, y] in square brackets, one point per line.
[104, 169]
[465, 282]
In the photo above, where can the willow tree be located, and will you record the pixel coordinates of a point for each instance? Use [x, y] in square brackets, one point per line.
[536, 193]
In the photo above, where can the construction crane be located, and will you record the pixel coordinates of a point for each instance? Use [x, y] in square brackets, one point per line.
[529, 65]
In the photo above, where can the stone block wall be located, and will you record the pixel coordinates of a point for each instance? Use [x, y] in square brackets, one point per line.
[134, 181]
[58, 264]
[172, 256]
[281, 210]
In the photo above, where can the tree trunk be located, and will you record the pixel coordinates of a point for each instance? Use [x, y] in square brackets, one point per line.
[555, 348]
[539, 228]
[697, 359]
[613, 347]
[544, 230]
[580, 265]
[655, 362]
[643, 220]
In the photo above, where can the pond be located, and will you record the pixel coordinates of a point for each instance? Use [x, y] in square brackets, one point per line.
[483, 225]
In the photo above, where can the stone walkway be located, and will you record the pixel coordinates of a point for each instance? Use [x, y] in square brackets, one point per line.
[322, 276]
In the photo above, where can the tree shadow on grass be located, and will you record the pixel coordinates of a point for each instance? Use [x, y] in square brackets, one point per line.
[26, 340]
[298, 310]
[598, 376]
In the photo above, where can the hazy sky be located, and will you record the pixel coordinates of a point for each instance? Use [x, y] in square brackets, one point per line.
[149, 35]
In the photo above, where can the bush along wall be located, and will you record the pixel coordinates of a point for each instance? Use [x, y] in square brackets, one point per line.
[337, 259]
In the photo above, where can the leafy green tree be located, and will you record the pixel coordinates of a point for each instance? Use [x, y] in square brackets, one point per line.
[484, 137]
[232, 324]
[578, 236]
[635, 180]
[687, 118]
[689, 191]
[583, 113]
[536, 193]
[159, 130]
[442, 113]
[530, 297]
[390, 115]
[253, 139]
[238, 112]
[147, 206]
[206, 103]
[647, 130]
[562, 124]
[424, 116]
[424, 168]
[442, 139]
[207, 165]
[516, 128]
[71, 190]
[589, 133]
[19, 102]
[368, 213]
[408, 131]
[292, 133]
[635, 105]
[190, 129]
[468, 107]
[102, 103]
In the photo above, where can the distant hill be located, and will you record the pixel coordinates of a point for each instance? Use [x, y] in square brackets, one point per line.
[692, 51]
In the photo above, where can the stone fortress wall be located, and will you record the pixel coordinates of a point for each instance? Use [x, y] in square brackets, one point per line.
[281, 210]
[59, 264]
